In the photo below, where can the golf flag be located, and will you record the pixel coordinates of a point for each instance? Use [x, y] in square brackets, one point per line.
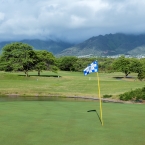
[93, 67]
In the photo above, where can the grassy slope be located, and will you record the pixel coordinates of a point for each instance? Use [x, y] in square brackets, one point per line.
[69, 84]
[69, 123]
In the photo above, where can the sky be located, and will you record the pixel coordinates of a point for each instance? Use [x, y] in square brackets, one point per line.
[69, 20]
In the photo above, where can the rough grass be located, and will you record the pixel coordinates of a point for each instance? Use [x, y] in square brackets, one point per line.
[68, 84]
[70, 123]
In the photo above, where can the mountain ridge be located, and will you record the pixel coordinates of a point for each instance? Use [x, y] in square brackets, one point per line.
[102, 45]
[109, 44]
[38, 44]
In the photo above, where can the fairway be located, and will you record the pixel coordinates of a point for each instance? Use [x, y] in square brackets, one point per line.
[70, 123]
[68, 84]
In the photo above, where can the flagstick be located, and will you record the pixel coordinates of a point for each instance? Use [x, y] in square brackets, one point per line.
[100, 99]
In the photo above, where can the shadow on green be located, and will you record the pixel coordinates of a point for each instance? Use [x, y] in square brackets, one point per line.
[96, 113]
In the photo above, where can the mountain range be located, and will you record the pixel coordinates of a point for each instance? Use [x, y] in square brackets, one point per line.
[50, 45]
[109, 44]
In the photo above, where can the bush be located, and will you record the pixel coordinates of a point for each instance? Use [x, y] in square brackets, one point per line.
[138, 94]
[107, 96]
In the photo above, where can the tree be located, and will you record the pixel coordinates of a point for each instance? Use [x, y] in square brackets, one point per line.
[136, 65]
[67, 63]
[105, 64]
[122, 64]
[18, 57]
[141, 75]
[141, 72]
[45, 61]
[128, 65]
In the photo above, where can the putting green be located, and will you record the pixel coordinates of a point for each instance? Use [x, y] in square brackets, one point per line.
[71, 123]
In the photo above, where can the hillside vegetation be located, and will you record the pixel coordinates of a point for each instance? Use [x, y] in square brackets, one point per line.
[50, 45]
[110, 44]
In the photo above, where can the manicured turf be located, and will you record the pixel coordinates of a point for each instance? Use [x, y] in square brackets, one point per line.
[70, 123]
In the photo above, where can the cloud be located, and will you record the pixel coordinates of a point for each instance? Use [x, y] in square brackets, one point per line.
[69, 20]
[2, 16]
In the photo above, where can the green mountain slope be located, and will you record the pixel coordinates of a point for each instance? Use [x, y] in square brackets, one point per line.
[137, 51]
[110, 44]
[52, 46]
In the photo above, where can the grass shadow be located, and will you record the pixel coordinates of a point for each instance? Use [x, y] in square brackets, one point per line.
[96, 113]
[56, 76]
[128, 77]
[118, 78]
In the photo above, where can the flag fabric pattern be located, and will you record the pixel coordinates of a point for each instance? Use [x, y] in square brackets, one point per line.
[93, 67]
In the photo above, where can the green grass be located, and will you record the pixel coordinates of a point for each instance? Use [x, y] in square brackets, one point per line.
[69, 123]
[69, 84]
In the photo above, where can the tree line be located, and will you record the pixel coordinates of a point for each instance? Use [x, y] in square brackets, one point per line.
[22, 57]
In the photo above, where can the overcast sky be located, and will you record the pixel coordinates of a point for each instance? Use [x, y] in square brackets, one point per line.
[69, 20]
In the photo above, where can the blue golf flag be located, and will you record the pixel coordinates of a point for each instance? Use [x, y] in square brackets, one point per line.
[93, 67]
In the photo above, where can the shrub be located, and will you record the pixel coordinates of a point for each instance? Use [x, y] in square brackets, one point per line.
[107, 96]
[138, 94]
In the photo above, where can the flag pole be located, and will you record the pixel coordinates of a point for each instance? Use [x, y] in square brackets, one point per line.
[100, 99]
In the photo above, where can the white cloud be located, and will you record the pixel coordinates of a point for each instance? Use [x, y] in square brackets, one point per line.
[72, 20]
[2, 16]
